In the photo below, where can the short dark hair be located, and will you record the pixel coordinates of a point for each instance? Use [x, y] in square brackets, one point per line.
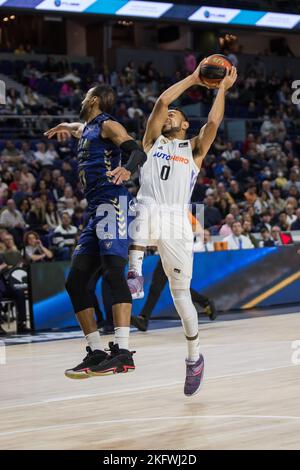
[182, 113]
[106, 95]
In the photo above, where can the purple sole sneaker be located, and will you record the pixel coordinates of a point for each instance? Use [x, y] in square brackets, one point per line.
[194, 376]
[136, 285]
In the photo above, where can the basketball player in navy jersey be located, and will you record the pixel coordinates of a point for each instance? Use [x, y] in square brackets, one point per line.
[104, 241]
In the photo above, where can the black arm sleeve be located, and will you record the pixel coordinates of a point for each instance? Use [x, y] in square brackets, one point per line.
[137, 156]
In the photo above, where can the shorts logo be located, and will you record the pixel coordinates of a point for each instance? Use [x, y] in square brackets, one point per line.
[183, 144]
[176, 270]
[108, 245]
[108, 236]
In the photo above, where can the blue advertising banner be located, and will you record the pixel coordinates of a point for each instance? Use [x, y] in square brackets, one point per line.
[243, 279]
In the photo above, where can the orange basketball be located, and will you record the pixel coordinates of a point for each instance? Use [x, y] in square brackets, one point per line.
[213, 70]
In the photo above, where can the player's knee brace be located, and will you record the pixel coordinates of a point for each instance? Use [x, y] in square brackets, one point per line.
[114, 268]
[186, 310]
[77, 288]
[183, 303]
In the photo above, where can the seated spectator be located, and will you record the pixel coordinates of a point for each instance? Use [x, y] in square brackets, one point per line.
[37, 217]
[250, 195]
[27, 176]
[134, 112]
[10, 154]
[11, 256]
[212, 215]
[18, 295]
[296, 224]
[53, 218]
[235, 192]
[28, 156]
[78, 218]
[44, 156]
[275, 232]
[34, 249]
[3, 188]
[264, 222]
[266, 238]
[278, 204]
[247, 229]
[282, 222]
[31, 100]
[11, 218]
[237, 241]
[290, 215]
[67, 197]
[64, 238]
[225, 230]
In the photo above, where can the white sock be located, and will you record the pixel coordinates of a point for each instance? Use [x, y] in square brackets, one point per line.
[193, 349]
[136, 260]
[94, 340]
[122, 336]
[189, 319]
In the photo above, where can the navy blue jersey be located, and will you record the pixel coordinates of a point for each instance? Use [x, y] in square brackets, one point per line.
[97, 156]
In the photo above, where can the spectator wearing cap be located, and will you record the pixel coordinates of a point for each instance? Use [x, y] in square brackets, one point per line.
[237, 241]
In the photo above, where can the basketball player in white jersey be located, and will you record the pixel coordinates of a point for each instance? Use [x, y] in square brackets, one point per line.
[167, 181]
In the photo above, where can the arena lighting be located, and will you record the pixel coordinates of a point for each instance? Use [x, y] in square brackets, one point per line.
[12, 17]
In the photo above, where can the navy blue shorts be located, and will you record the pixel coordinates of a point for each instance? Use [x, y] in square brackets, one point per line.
[107, 231]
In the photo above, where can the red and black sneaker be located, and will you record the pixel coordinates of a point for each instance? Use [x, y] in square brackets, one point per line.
[91, 359]
[118, 361]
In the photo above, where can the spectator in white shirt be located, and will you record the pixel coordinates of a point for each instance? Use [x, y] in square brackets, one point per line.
[290, 216]
[204, 244]
[134, 112]
[237, 241]
[44, 156]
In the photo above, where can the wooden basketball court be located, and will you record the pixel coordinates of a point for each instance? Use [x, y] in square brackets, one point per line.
[249, 400]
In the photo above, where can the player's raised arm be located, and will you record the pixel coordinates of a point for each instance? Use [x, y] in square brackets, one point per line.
[202, 142]
[65, 129]
[115, 132]
[159, 113]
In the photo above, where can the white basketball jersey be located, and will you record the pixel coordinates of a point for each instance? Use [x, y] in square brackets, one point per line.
[169, 175]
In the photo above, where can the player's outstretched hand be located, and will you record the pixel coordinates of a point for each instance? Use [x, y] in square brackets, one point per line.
[61, 131]
[119, 175]
[229, 79]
